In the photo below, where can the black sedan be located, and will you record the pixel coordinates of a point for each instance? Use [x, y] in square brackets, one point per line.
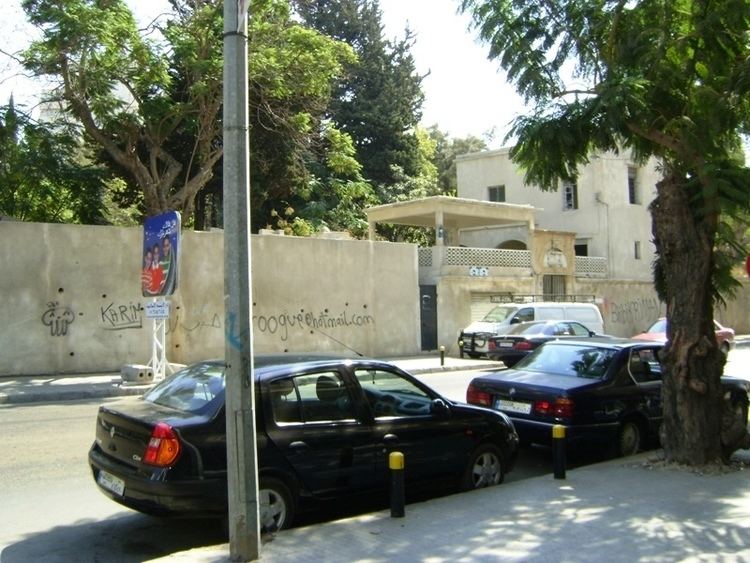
[604, 391]
[523, 338]
[325, 428]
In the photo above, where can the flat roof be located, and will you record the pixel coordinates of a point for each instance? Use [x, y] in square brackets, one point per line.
[458, 213]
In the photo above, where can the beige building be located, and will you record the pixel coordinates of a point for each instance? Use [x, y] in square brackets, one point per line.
[606, 208]
[502, 240]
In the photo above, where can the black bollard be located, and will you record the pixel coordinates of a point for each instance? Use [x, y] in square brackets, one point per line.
[442, 355]
[558, 450]
[396, 465]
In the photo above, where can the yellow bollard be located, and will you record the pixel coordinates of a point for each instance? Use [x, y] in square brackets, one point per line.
[558, 450]
[398, 500]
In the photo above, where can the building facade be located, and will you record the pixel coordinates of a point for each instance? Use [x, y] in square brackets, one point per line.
[606, 208]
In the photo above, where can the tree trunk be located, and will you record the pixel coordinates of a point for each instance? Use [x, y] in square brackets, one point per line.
[684, 235]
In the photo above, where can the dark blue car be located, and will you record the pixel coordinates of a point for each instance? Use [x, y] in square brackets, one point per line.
[605, 391]
[325, 428]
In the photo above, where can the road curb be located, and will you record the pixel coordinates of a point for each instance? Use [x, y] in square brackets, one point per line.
[69, 395]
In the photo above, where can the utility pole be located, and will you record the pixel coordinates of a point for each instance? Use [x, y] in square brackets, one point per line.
[242, 463]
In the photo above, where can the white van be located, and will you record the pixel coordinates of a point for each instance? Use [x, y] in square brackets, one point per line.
[473, 339]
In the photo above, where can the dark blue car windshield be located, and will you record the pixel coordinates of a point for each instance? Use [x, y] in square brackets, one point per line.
[575, 361]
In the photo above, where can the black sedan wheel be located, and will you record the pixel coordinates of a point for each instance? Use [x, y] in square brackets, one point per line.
[276, 505]
[485, 468]
[629, 439]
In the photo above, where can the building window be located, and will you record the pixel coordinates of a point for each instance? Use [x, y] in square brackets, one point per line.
[570, 196]
[633, 196]
[637, 250]
[496, 193]
[581, 249]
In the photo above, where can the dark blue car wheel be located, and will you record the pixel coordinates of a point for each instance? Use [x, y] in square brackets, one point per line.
[629, 438]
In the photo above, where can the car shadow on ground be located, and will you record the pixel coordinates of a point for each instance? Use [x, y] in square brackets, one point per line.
[127, 538]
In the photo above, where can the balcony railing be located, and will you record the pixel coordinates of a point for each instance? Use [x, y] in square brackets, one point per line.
[588, 266]
[593, 266]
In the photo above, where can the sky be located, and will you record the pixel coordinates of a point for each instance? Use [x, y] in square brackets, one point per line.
[465, 94]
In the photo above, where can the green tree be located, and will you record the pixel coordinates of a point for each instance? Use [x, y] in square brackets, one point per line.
[117, 83]
[446, 151]
[292, 72]
[337, 193]
[379, 99]
[667, 79]
[44, 173]
[153, 106]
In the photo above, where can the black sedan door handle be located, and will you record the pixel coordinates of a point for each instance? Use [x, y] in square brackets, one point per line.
[390, 439]
[298, 446]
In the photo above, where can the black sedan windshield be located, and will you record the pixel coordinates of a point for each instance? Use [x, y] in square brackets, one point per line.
[190, 389]
[569, 359]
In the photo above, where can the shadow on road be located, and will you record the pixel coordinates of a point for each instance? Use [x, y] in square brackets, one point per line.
[121, 539]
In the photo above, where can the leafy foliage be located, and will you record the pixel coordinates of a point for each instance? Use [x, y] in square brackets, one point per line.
[44, 174]
[378, 100]
[117, 85]
[446, 151]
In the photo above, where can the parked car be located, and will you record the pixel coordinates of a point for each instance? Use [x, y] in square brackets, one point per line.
[658, 333]
[524, 338]
[325, 428]
[604, 391]
[473, 340]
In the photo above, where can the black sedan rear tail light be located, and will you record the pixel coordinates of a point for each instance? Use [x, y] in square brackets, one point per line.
[476, 397]
[163, 447]
[522, 345]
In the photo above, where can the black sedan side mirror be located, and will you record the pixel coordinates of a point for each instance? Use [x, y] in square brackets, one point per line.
[439, 407]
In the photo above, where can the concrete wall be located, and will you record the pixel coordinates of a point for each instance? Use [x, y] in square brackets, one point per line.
[628, 307]
[71, 299]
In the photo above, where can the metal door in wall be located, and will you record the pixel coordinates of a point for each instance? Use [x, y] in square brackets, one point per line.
[428, 316]
[553, 287]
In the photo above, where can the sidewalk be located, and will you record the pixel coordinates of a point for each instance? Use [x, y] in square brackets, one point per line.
[637, 509]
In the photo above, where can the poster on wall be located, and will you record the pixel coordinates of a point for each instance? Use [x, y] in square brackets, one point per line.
[161, 241]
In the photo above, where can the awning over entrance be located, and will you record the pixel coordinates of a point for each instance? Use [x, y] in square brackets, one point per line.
[445, 213]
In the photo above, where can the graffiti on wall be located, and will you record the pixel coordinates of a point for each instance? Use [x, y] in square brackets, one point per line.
[280, 324]
[58, 318]
[121, 316]
[210, 321]
[633, 312]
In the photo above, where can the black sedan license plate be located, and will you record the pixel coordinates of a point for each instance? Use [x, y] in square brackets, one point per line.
[111, 483]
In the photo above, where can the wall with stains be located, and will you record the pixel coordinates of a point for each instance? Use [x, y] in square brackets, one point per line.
[70, 298]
